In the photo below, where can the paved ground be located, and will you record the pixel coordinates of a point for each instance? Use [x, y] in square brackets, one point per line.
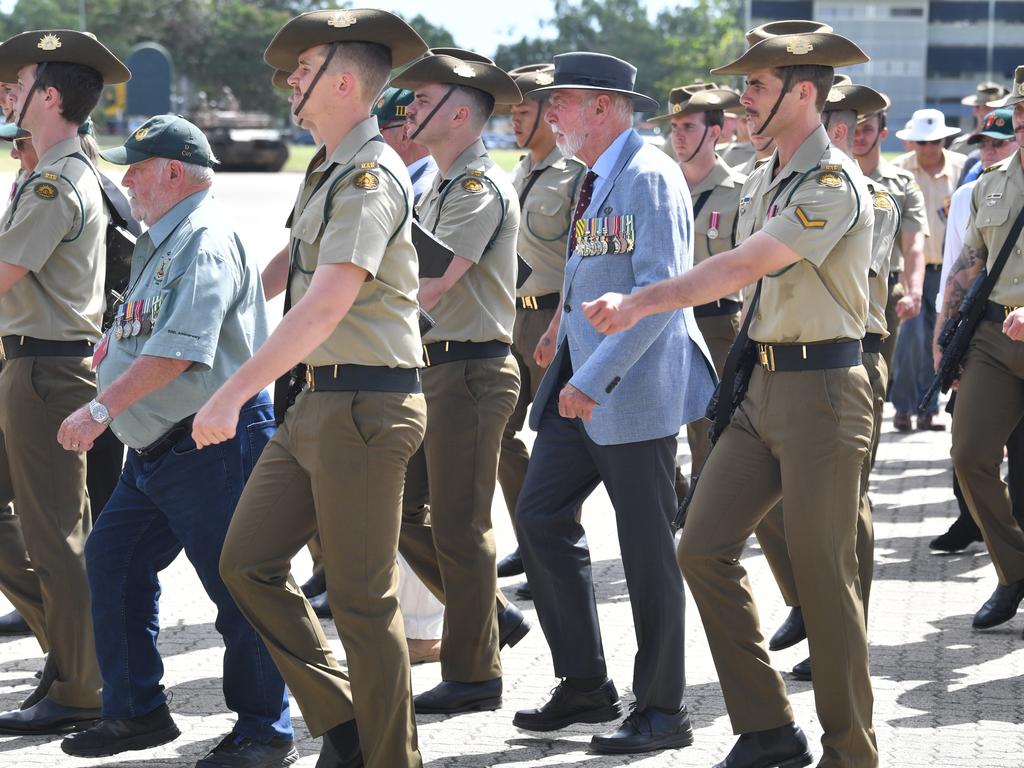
[945, 695]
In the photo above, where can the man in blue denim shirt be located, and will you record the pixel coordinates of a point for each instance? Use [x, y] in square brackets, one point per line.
[193, 313]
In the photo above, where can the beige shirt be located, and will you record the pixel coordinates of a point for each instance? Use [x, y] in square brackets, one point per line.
[56, 228]
[887, 224]
[725, 184]
[996, 201]
[474, 209]
[938, 191]
[546, 216]
[825, 214]
[904, 189]
[368, 222]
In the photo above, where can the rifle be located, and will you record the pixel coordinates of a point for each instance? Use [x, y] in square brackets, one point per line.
[739, 365]
[958, 331]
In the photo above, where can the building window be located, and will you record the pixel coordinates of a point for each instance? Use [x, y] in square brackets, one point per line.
[904, 13]
[1005, 60]
[782, 9]
[955, 60]
[957, 11]
[1010, 11]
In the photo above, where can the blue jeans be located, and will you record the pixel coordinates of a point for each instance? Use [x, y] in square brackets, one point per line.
[183, 499]
[912, 365]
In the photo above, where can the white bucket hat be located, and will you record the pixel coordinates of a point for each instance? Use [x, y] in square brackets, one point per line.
[926, 125]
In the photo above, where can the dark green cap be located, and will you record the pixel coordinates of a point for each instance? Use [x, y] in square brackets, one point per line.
[11, 131]
[391, 106]
[169, 136]
[997, 125]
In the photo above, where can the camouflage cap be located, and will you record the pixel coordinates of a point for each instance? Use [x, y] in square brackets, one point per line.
[60, 45]
[355, 25]
[793, 43]
[169, 136]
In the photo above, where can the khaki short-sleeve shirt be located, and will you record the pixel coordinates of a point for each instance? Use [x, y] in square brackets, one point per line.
[546, 216]
[362, 215]
[473, 208]
[714, 225]
[56, 227]
[996, 201]
[908, 196]
[887, 224]
[819, 206]
[938, 191]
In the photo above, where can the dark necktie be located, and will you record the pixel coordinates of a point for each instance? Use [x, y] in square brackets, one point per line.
[586, 193]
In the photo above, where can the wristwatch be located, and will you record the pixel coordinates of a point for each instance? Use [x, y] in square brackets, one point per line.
[99, 412]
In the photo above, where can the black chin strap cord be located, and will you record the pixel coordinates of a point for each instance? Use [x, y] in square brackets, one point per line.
[536, 121]
[421, 126]
[31, 92]
[787, 82]
[316, 79]
[701, 144]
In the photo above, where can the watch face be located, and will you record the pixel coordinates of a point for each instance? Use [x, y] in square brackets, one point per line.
[99, 412]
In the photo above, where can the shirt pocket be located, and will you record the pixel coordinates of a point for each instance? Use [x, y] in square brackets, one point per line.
[305, 234]
[547, 215]
[990, 217]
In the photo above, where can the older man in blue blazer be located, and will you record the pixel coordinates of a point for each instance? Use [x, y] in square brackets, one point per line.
[609, 410]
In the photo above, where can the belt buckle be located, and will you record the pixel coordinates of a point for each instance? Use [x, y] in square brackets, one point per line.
[310, 383]
[1007, 310]
[530, 302]
[767, 356]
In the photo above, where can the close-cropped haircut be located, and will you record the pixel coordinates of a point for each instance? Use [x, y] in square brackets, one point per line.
[370, 62]
[818, 75]
[79, 88]
[714, 117]
[481, 104]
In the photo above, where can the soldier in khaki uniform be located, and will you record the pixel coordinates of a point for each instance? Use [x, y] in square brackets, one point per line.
[803, 429]
[547, 185]
[906, 266]
[52, 265]
[337, 464]
[847, 103]
[989, 400]
[471, 380]
[696, 113]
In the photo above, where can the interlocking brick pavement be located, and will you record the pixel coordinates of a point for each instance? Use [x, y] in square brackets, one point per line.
[945, 695]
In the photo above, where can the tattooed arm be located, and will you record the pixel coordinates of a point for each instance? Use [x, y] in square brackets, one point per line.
[962, 275]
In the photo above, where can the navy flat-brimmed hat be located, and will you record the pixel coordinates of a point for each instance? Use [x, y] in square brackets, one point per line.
[586, 71]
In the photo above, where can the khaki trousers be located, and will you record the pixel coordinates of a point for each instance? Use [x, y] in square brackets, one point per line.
[447, 537]
[52, 520]
[771, 533]
[719, 333]
[989, 404]
[335, 467]
[802, 435]
[530, 326]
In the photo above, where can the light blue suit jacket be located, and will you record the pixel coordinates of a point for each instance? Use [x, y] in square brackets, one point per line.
[655, 377]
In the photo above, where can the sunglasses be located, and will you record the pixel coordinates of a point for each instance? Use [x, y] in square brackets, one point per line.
[926, 143]
[993, 143]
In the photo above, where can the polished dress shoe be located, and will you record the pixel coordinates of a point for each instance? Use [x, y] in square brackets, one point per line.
[647, 730]
[320, 606]
[512, 626]
[46, 677]
[568, 705]
[791, 632]
[315, 584]
[237, 751]
[450, 697]
[111, 737]
[423, 651]
[782, 747]
[14, 623]
[961, 534]
[341, 748]
[511, 565]
[46, 717]
[1001, 607]
[523, 591]
[802, 671]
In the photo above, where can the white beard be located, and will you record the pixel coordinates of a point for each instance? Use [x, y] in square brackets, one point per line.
[569, 144]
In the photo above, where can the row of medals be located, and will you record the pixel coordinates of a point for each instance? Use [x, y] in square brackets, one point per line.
[136, 318]
[605, 235]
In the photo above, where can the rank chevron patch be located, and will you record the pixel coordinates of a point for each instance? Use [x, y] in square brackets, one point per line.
[807, 223]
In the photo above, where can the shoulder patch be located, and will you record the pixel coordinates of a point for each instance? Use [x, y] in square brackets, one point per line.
[834, 167]
[50, 176]
[368, 165]
[474, 172]
[472, 185]
[881, 201]
[990, 169]
[367, 181]
[830, 179]
[45, 191]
